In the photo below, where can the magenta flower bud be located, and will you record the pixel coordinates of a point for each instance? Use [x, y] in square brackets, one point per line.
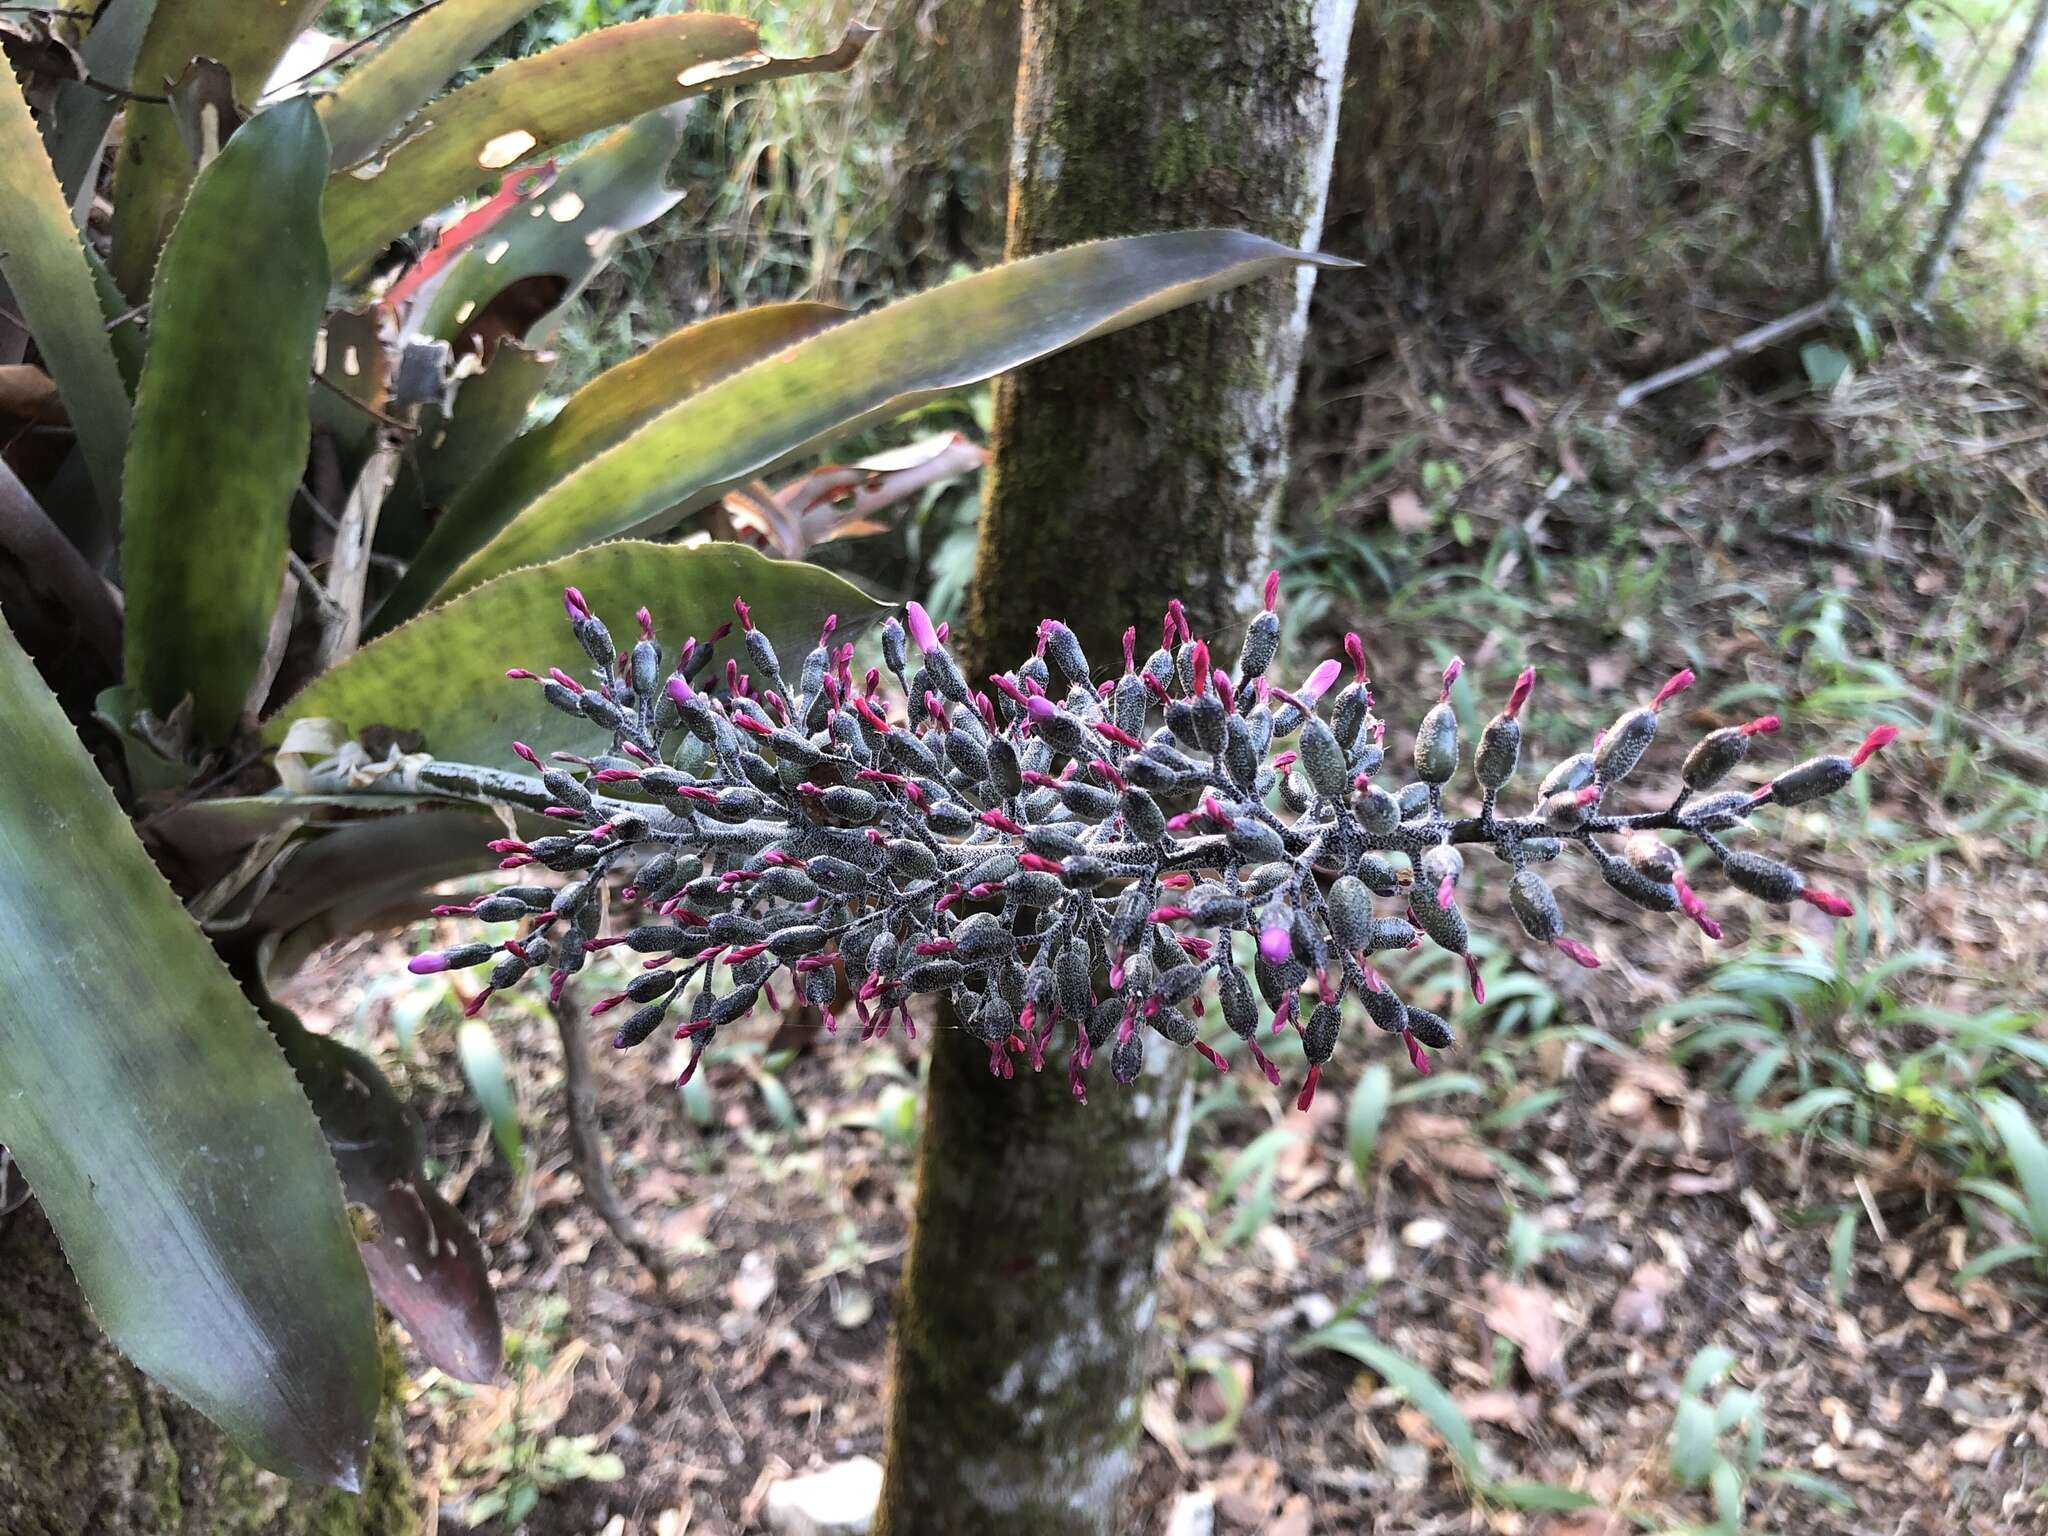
[1177, 620]
[1578, 952]
[1272, 591]
[739, 606]
[1450, 676]
[1875, 742]
[680, 690]
[1318, 682]
[432, 963]
[521, 675]
[1678, 682]
[1827, 901]
[1276, 943]
[1519, 694]
[573, 601]
[920, 625]
[646, 622]
[1040, 709]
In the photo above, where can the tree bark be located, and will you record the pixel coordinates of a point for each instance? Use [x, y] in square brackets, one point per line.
[1141, 467]
[90, 1447]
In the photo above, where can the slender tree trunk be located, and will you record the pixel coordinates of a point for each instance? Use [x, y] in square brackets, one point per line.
[1138, 468]
[89, 1447]
[1963, 190]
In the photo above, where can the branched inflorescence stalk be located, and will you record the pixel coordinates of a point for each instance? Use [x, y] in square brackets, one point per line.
[1065, 859]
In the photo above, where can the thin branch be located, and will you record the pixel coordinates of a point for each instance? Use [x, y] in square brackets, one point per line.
[586, 1142]
[1804, 318]
[122, 93]
[367, 409]
[1962, 190]
[1820, 174]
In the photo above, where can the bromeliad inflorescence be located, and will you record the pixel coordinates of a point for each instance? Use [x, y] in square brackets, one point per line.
[1067, 860]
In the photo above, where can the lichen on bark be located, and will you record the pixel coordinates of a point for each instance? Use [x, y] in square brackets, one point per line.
[90, 1447]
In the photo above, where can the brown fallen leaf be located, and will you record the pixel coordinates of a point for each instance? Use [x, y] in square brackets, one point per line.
[1583, 1522]
[1978, 1446]
[1519, 400]
[1526, 1315]
[1607, 672]
[1640, 1306]
[1247, 1490]
[1407, 513]
[1926, 1292]
[754, 1284]
[1720, 1181]
[1294, 1518]
[1442, 1141]
[1510, 1410]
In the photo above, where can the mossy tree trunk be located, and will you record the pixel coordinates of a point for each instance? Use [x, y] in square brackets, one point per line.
[1135, 469]
[90, 1447]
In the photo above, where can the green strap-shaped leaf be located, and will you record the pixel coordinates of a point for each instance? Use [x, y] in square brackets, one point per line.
[45, 267]
[153, 170]
[609, 408]
[567, 229]
[865, 370]
[160, 1125]
[376, 98]
[530, 105]
[221, 420]
[444, 673]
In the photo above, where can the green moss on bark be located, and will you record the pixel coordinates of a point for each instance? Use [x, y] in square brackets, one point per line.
[89, 1447]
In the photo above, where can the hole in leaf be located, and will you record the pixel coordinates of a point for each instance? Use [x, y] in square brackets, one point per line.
[504, 149]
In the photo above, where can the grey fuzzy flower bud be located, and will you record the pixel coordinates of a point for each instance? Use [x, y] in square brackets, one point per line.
[1535, 907]
[1385, 1009]
[1351, 915]
[1431, 1029]
[1624, 744]
[1323, 760]
[1319, 1035]
[1575, 772]
[1436, 745]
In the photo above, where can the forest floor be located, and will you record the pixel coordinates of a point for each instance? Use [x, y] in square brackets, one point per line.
[1756, 1147]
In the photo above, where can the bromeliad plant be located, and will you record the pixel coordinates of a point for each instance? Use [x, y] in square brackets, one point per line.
[1060, 856]
[303, 443]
